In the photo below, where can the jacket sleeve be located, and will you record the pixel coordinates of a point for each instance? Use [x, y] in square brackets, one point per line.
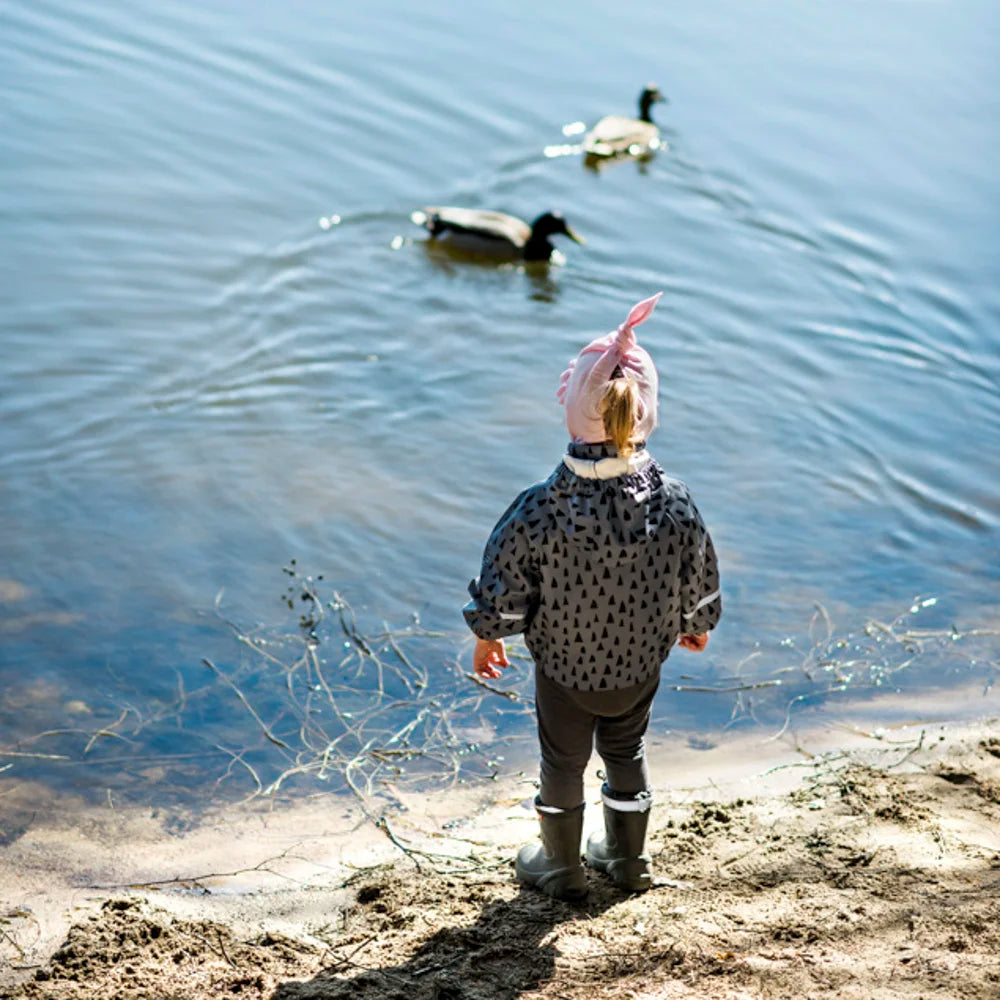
[701, 594]
[505, 595]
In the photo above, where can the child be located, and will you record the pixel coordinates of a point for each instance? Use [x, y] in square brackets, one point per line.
[603, 567]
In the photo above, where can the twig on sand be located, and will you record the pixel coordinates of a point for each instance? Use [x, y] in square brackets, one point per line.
[185, 880]
[7, 937]
[222, 948]
[346, 959]
[909, 753]
[813, 762]
[375, 970]
[414, 854]
[220, 951]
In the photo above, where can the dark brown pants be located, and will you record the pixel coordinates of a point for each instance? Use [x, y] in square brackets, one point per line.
[572, 723]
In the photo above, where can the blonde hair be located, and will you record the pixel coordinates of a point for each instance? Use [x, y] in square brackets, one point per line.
[620, 413]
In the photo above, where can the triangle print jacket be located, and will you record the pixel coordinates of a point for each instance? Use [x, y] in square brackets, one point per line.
[601, 566]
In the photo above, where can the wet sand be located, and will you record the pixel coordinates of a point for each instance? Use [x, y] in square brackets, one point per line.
[851, 866]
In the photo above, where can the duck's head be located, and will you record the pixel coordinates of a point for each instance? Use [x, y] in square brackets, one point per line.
[552, 223]
[650, 95]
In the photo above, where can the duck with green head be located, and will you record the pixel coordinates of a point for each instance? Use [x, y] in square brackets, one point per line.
[494, 234]
[618, 135]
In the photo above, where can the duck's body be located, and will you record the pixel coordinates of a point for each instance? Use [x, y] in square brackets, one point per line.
[497, 234]
[618, 135]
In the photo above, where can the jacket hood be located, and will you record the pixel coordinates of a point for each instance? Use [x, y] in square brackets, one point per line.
[617, 515]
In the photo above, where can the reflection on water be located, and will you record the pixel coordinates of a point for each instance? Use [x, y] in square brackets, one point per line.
[223, 344]
[537, 275]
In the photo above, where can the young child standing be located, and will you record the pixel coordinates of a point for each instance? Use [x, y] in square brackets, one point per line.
[603, 567]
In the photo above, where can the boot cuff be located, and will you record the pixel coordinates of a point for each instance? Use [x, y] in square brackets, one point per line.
[626, 801]
[554, 810]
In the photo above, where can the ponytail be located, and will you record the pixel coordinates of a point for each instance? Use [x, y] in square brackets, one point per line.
[620, 413]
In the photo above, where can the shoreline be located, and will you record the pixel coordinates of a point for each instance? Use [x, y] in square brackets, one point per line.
[294, 870]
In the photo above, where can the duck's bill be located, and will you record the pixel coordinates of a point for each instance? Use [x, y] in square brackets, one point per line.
[575, 236]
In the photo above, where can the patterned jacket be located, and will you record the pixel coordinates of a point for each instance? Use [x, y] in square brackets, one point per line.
[601, 566]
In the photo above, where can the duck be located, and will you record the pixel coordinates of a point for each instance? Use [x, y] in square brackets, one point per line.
[495, 234]
[618, 135]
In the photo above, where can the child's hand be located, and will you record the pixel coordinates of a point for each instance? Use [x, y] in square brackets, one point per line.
[487, 656]
[696, 643]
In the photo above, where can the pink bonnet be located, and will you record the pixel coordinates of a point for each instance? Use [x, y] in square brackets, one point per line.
[583, 383]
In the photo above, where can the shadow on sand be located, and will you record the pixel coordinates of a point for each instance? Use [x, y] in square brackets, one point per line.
[507, 948]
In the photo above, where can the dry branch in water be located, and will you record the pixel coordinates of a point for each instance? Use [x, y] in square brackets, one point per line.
[386, 712]
[873, 656]
[358, 709]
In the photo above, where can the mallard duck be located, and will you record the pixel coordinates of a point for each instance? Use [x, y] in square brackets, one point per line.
[478, 230]
[616, 135]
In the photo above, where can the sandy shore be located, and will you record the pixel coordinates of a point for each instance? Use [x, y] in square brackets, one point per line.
[864, 867]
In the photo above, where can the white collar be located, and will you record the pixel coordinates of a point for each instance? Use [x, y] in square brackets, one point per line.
[607, 468]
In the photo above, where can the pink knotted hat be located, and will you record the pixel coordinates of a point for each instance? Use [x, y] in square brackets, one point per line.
[582, 384]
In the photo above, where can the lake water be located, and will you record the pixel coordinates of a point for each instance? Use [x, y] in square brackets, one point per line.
[224, 345]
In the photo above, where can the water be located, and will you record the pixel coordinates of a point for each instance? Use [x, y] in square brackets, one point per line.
[223, 344]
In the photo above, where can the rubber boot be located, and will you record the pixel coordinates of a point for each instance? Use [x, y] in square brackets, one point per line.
[620, 853]
[554, 865]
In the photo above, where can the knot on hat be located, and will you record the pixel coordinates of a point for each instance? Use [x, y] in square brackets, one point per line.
[639, 313]
[582, 384]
